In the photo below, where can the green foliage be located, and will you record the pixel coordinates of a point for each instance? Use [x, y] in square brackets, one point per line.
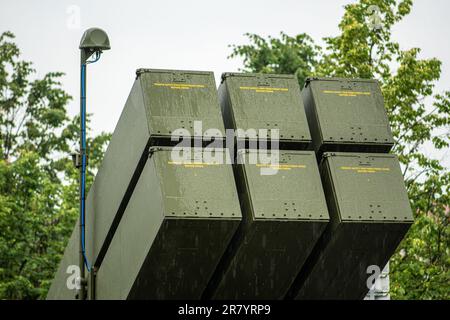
[293, 55]
[38, 183]
[419, 118]
[420, 269]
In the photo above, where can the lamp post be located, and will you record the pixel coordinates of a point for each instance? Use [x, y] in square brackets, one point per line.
[93, 42]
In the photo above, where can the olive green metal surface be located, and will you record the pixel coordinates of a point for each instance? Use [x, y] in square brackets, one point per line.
[176, 227]
[159, 227]
[160, 102]
[182, 97]
[347, 115]
[265, 101]
[283, 216]
[370, 214]
[175, 99]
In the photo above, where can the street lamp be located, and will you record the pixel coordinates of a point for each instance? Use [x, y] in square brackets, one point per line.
[93, 42]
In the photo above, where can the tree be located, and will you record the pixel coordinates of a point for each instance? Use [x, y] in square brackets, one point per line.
[38, 183]
[292, 55]
[418, 115]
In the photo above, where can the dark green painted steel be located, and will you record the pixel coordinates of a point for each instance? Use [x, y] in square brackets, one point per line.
[265, 101]
[369, 216]
[160, 101]
[176, 227]
[160, 229]
[347, 115]
[283, 216]
[175, 99]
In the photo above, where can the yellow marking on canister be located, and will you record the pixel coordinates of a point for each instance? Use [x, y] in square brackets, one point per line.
[366, 169]
[193, 164]
[264, 89]
[281, 166]
[179, 86]
[344, 93]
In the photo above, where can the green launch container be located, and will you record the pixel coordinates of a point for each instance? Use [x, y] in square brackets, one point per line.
[369, 216]
[176, 99]
[265, 101]
[177, 225]
[160, 102]
[283, 216]
[347, 115]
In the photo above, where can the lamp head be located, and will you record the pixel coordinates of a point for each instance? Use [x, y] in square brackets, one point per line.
[94, 40]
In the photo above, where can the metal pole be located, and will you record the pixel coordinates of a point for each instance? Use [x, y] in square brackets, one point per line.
[82, 294]
[94, 40]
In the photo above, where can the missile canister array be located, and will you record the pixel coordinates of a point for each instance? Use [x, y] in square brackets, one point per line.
[171, 222]
[366, 196]
[160, 102]
[154, 109]
[284, 215]
[369, 213]
[175, 228]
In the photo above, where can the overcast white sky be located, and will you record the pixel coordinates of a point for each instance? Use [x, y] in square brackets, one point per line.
[192, 35]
